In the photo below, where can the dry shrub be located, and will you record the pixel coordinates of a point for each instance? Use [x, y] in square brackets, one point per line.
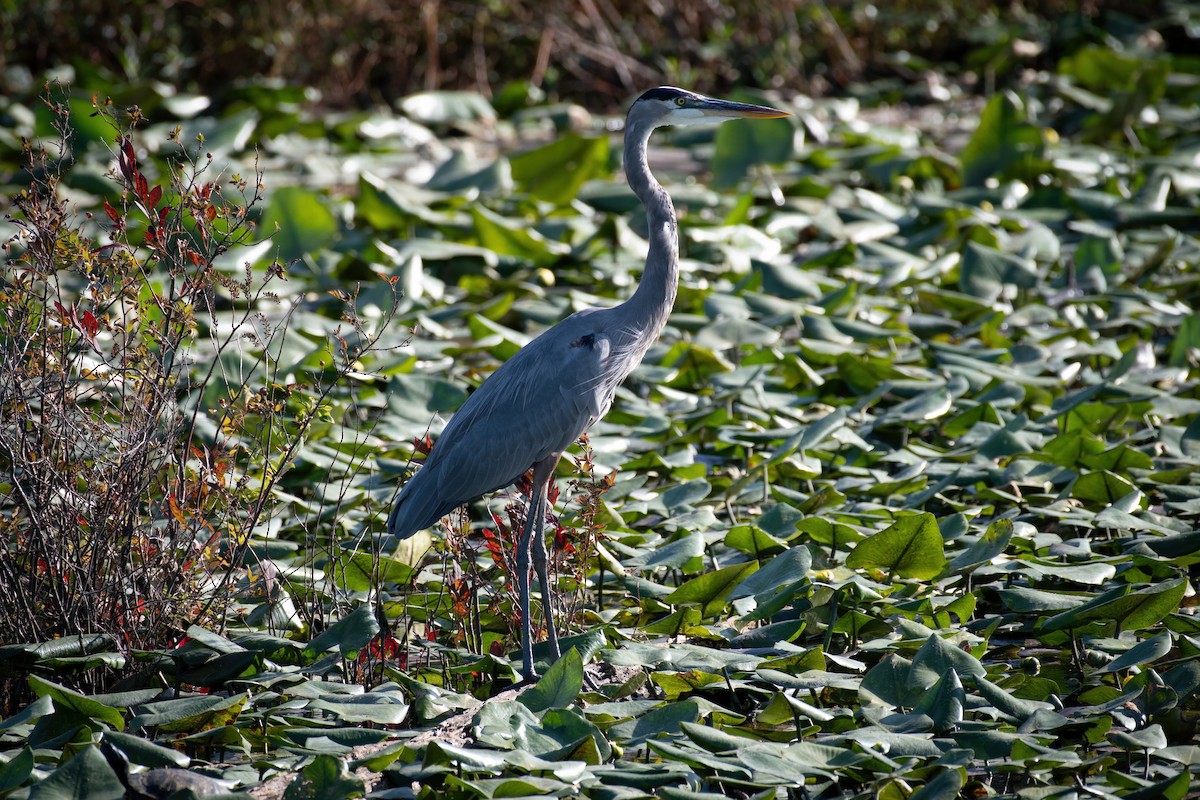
[126, 506]
[111, 517]
[363, 52]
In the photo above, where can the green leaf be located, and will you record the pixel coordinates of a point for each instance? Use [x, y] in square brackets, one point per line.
[67, 700]
[888, 682]
[936, 656]
[1189, 443]
[943, 702]
[1023, 601]
[556, 172]
[146, 753]
[909, 548]
[189, 714]
[557, 734]
[559, 687]
[781, 570]
[1130, 610]
[809, 436]
[711, 589]
[1151, 738]
[985, 271]
[740, 144]
[1101, 487]
[1002, 139]
[1141, 653]
[991, 544]
[1176, 788]
[304, 224]
[514, 238]
[385, 208]
[753, 541]
[1016, 708]
[87, 775]
[675, 623]
[679, 553]
[661, 722]
[326, 778]
[349, 634]
[16, 770]
[447, 107]
[1100, 68]
[768, 635]
[1185, 344]
[379, 708]
[360, 571]
[946, 786]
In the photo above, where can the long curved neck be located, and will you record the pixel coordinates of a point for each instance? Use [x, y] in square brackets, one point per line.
[651, 303]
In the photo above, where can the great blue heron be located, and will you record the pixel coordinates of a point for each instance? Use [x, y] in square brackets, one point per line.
[556, 387]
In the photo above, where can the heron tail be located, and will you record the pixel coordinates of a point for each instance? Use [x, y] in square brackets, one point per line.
[416, 507]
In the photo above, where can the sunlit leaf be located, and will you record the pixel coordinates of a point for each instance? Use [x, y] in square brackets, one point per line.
[1003, 138]
[555, 172]
[349, 634]
[559, 686]
[298, 222]
[740, 144]
[712, 589]
[1130, 610]
[910, 548]
[442, 108]
[325, 778]
[70, 701]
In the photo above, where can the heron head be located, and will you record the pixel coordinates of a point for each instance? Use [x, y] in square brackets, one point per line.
[667, 105]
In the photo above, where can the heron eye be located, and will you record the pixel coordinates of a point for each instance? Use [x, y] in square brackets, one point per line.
[679, 101]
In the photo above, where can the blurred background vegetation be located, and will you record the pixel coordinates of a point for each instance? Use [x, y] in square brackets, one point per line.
[359, 53]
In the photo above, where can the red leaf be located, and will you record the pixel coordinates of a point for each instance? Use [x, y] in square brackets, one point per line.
[90, 324]
[127, 159]
[143, 190]
[155, 196]
[112, 213]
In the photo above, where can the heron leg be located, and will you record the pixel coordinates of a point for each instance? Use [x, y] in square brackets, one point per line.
[542, 472]
[523, 543]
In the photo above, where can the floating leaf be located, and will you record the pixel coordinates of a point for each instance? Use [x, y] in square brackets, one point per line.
[740, 144]
[783, 569]
[298, 222]
[325, 778]
[1144, 652]
[1130, 610]
[560, 685]
[910, 548]
[555, 172]
[712, 589]
[1002, 139]
[86, 775]
[349, 634]
[69, 701]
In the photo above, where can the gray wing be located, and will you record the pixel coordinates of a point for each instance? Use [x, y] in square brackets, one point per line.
[533, 407]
